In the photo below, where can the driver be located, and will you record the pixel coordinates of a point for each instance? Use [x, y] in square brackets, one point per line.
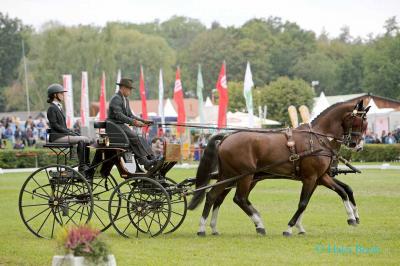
[120, 113]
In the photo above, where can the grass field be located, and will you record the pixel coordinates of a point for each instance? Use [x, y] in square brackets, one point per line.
[377, 193]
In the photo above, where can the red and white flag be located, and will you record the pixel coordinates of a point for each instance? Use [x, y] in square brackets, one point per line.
[102, 111]
[222, 87]
[69, 101]
[85, 100]
[178, 98]
[143, 97]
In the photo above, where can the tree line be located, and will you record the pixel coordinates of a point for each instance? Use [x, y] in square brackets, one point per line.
[280, 52]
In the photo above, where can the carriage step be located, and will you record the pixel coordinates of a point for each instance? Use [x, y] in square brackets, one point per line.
[187, 182]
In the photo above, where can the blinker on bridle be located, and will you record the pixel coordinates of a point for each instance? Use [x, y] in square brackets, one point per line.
[347, 137]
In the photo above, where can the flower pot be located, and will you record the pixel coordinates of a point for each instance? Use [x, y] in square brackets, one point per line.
[70, 260]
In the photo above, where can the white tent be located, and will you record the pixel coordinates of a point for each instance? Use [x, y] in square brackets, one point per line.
[320, 105]
[169, 110]
[238, 119]
[380, 119]
[208, 102]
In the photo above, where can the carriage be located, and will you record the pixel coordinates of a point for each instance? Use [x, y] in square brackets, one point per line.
[144, 203]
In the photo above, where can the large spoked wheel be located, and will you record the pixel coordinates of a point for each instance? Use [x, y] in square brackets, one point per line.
[139, 205]
[102, 187]
[54, 196]
[178, 207]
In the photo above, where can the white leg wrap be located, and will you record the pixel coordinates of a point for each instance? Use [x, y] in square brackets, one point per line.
[355, 210]
[213, 222]
[257, 221]
[289, 230]
[299, 224]
[203, 222]
[349, 210]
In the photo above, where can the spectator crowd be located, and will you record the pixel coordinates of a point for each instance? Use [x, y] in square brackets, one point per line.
[391, 137]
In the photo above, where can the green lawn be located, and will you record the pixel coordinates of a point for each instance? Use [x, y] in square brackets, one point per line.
[377, 193]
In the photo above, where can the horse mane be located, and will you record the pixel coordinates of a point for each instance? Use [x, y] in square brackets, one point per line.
[327, 110]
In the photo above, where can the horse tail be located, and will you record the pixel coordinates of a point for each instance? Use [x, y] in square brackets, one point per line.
[208, 164]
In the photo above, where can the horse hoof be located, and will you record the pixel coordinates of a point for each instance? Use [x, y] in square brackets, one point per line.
[201, 234]
[352, 222]
[261, 231]
[215, 234]
[302, 233]
[287, 234]
[358, 220]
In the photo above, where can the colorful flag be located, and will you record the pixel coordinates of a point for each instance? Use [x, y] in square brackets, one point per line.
[118, 80]
[142, 91]
[178, 98]
[85, 100]
[222, 88]
[102, 102]
[200, 87]
[143, 94]
[69, 101]
[161, 98]
[248, 84]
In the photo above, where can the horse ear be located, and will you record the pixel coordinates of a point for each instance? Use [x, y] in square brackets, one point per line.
[367, 109]
[360, 105]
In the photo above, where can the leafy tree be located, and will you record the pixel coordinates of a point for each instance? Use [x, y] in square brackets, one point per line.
[350, 73]
[236, 98]
[180, 31]
[12, 33]
[320, 67]
[11, 36]
[382, 67]
[282, 93]
[391, 26]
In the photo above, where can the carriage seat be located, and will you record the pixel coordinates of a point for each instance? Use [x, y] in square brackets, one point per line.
[54, 144]
[57, 145]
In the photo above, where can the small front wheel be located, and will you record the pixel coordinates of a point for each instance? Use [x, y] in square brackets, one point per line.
[139, 205]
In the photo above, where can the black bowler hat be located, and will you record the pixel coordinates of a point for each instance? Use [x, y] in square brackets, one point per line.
[126, 83]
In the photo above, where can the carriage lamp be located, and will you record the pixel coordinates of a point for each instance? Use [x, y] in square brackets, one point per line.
[103, 140]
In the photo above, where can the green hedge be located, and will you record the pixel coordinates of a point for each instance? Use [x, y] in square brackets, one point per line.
[28, 158]
[374, 153]
[41, 157]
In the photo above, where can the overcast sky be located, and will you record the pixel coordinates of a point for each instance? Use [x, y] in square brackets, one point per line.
[363, 17]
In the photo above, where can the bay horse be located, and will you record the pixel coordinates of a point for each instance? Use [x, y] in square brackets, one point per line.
[306, 153]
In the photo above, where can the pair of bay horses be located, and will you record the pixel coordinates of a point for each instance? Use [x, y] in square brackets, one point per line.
[306, 153]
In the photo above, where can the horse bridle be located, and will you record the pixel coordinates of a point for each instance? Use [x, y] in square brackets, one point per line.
[347, 137]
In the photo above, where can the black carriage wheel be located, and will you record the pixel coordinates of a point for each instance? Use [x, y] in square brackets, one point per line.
[178, 208]
[102, 187]
[145, 207]
[53, 196]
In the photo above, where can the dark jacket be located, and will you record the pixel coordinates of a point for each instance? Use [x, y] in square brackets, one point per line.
[117, 112]
[58, 126]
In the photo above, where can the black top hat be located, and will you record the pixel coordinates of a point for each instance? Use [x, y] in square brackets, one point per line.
[126, 83]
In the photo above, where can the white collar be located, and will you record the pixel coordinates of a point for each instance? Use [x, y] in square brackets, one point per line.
[57, 103]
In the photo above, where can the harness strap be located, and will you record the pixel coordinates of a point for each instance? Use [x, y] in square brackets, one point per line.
[294, 157]
[261, 169]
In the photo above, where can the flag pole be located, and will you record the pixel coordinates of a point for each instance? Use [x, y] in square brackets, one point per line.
[26, 79]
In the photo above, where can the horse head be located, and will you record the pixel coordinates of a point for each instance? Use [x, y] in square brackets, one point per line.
[354, 126]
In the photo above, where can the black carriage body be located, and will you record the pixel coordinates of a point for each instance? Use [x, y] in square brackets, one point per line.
[139, 201]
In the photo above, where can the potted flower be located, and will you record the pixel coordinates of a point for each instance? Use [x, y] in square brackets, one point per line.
[82, 246]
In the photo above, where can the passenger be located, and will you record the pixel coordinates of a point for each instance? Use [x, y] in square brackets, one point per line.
[59, 133]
